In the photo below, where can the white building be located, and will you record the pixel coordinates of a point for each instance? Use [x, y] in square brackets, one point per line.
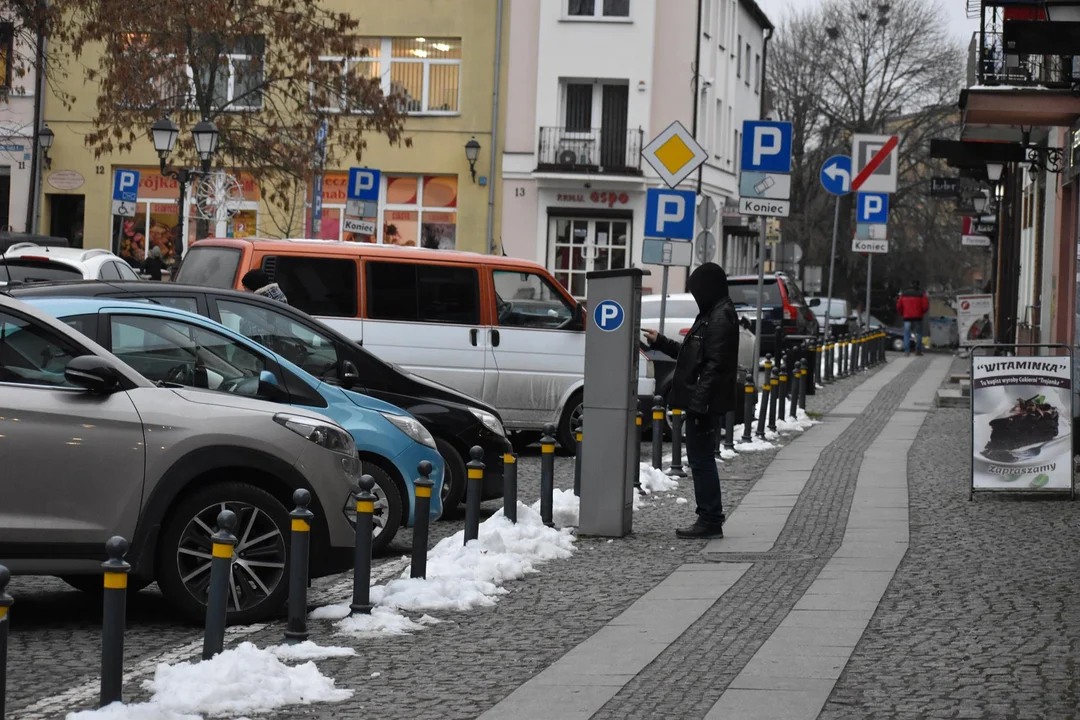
[18, 83]
[589, 83]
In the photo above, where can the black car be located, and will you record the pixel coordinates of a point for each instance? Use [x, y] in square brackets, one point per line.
[783, 307]
[457, 421]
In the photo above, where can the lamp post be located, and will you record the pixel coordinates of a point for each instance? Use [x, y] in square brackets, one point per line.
[45, 140]
[164, 133]
[472, 152]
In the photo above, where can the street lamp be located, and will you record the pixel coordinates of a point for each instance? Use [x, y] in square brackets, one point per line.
[164, 133]
[994, 170]
[472, 152]
[979, 203]
[45, 140]
[206, 137]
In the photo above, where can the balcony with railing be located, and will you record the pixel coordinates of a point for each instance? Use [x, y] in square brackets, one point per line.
[1023, 64]
[597, 151]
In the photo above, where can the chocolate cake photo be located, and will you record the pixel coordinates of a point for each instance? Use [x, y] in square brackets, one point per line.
[1028, 422]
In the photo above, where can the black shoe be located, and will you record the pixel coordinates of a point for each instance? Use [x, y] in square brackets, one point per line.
[700, 531]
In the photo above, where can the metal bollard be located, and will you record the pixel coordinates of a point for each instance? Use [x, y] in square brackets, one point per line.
[577, 458]
[422, 507]
[474, 488]
[748, 409]
[637, 448]
[774, 395]
[658, 433]
[763, 410]
[796, 385]
[6, 601]
[547, 475]
[826, 363]
[217, 601]
[510, 487]
[811, 366]
[365, 510]
[113, 621]
[729, 430]
[676, 467]
[803, 387]
[299, 557]
[781, 397]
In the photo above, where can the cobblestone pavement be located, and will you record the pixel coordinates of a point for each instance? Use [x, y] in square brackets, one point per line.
[982, 619]
[464, 665]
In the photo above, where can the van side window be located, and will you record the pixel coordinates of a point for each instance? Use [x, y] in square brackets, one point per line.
[524, 299]
[411, 292]
[318, 286]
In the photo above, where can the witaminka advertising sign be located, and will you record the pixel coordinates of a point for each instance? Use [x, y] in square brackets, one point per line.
[1021, 409]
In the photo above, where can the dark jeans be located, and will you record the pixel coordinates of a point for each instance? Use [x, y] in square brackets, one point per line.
[701, 433]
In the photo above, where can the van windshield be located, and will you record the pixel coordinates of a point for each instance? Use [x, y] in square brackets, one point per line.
[210, 267]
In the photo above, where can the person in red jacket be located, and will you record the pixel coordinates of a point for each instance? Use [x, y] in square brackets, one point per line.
[912, 305]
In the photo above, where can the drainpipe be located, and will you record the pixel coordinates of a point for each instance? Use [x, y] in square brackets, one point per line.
[694, 119]
[495, 128]
[33, 211]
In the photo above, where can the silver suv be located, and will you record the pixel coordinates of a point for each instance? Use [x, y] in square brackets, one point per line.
[90, 449]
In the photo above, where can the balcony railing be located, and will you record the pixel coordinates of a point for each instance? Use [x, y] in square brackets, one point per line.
[594, 151]
[991, 62]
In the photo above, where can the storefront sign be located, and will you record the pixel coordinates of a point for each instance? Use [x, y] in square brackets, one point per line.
[944, 187]
[610, 198]
[66, 180]
[1021, 411]
[974, 318]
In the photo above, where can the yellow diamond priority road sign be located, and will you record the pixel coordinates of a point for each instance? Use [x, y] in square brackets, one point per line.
[674, 154]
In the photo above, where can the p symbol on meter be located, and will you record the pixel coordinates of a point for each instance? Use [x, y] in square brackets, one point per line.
[608, 315]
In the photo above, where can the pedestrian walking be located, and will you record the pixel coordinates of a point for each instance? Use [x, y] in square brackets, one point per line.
[258, 282]
[154, 264]
[913, 304]
[704, 387]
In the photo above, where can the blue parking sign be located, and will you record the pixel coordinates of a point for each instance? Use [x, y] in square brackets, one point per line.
[126, 186]
[872, 209]
[363, 184]
[608, 315]
[670, 214]
[766, 147]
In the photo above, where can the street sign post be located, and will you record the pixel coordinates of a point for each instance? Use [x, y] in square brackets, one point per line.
[764, 188]
[874, 160]
[125, 195]
[705, 247]
[669, 214]
[362, 201]
[870, 246]
[674, 154]
[836, 179]
[872, 208]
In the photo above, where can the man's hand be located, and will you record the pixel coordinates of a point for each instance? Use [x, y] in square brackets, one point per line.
[650, 335]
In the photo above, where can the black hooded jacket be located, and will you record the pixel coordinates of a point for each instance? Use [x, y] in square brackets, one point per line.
[707, 361]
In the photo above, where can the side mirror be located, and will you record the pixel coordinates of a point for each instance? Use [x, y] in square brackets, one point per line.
[269, 388]
[815, 302]
[93, 373]
[350, 376]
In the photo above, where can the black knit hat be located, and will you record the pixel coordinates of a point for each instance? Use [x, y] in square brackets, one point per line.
[255, 279]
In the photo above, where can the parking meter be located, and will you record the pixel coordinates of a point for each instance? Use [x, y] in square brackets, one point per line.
[609, 467]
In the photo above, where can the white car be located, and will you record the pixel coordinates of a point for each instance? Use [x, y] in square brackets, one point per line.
[840, 315]
[679, 316]
[27, 262]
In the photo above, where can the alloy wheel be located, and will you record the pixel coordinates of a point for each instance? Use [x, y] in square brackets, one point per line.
[258, 562]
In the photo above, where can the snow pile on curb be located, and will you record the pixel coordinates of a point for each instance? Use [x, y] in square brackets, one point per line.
[565, 508]
[243, 679]
[308, 650]
[654, 481]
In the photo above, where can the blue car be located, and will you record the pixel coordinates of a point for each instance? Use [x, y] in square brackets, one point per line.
[171, 346]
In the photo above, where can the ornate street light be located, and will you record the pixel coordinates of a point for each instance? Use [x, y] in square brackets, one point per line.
[45, 140]
[472, 152]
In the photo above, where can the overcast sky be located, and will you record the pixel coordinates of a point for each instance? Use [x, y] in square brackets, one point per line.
[954, 10]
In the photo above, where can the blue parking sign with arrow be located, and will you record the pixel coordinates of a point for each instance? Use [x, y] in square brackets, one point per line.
[836, 175]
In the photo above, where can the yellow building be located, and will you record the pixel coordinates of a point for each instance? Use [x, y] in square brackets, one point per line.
[441, 53]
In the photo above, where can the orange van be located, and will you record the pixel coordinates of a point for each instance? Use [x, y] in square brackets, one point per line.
[499, 329]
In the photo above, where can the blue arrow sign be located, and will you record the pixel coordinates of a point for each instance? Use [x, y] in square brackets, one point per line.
[836, 175]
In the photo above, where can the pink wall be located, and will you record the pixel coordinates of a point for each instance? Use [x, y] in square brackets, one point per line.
[524, 43]
[672, 89]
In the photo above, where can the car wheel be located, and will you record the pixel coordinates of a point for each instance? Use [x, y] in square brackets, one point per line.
[453, 488]
[93, 584]
[258, 583]
[572, 414]
[389, 507]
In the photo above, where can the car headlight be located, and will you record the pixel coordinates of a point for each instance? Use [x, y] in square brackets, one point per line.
[489, 421]
[411, 427]
[320, 432]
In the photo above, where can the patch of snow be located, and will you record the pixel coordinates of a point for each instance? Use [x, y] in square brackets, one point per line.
[428, 620]
[565, 506]
[330, 612]
[755, 445]
[308, 650]
[681, 501]
[381, 621]
[240, 680]
[726, 454]
[376, 674]
[654, 481]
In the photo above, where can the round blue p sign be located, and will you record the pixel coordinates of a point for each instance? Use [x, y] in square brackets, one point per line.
[608, 315]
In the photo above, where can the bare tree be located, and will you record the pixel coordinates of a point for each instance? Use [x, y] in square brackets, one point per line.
[867, 66]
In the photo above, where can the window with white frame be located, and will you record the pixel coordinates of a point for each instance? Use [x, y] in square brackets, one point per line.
[757, 73]
[424, 72]
[718, 144]
[598, 8]
[747, 64]
[738, 51]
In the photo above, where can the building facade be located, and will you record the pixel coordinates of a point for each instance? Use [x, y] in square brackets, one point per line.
[589, 83]
[18, 96]
[440, 54]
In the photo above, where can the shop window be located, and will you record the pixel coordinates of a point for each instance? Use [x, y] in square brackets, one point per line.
[598, 8]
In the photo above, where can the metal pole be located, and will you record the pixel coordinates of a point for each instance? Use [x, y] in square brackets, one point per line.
[869, 271]
[365, 508]
[217, 601]
[760, 296]
[510, 487]
[547, 475]
[114, 574]
[832, 269]
[422, 507]
[6, 601]
[663, 299]
[474, 487]
[299, 556]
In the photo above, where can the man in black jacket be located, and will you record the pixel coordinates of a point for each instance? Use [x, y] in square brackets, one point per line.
[704, 386]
